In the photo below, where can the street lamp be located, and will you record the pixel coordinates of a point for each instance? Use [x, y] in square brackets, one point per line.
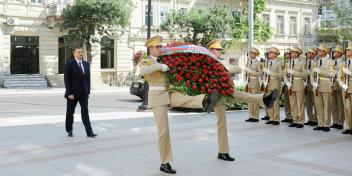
[144, 105]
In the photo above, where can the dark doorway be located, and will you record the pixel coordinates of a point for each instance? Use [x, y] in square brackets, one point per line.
[24, 55]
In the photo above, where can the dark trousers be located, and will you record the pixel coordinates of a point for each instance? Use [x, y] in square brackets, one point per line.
[71, 106]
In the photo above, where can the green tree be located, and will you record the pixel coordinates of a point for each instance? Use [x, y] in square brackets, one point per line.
[86, 18]
[199, 26]
[340, 29]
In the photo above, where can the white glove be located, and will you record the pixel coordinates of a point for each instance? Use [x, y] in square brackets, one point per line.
[346, 71]
[267, 71]
[288, 84]
[165, 68]
[265, 84]
[344, 87]
[248, 70]
[290, 71]
[317, 70]
[315, 85]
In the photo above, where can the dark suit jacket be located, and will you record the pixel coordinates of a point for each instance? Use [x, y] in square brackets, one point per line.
[75, 83]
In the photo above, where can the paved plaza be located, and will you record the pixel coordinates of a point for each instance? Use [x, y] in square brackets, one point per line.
[33, 141]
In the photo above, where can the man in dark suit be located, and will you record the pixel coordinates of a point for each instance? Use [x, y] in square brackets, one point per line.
[77, 84]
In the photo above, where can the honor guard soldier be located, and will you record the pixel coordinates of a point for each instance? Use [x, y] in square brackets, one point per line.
[287, 106]
[253, 73]
[310, 97]
[323, 72]
[272, 81]
[295, 73]
[345, 81]
[337, 106]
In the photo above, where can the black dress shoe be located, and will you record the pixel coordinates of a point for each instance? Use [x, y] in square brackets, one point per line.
[308, 123]
[326, 129]
[92, 135]
[225, 157]
[270, 99]
[70, 134]
[339, 127]
[318, 128]
[285, 120]
[334, 126]
[276, 123]
[293, 125]
[265, 118]
[249, 120]
[314, 124]
[210, 101]
[255, 120]
[347, 132]
[290, 120]
[167, 168]
[269, 122]
[299, 126]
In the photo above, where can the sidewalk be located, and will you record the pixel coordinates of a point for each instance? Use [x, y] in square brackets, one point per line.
[127, 146]
[4, 91]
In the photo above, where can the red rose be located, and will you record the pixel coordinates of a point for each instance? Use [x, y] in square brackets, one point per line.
[209, 91]
[200, 81]
[207, 85]
[194, 87]
[178, 77]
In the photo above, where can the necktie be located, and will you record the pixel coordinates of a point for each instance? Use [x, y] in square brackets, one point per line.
[309, 65]
[81, 68]
[335, 62]
[349, 62]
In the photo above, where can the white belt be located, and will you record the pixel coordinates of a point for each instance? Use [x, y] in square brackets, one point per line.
[325, 78]
[157, 88]
[297, 78]
[272, 78]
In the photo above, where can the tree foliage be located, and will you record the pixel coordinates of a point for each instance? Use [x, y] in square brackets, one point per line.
[199, 26]
[340, 29]
[86, 18]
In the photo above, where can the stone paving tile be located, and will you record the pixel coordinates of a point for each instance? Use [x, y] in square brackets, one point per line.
[129, 147]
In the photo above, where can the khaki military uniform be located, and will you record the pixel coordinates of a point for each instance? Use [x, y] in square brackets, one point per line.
[348, 100]
[275, 66]
[323, 100]
[337, 105]
[220, 109]
[287, 106]
[159, 99]
[310, 97]
[254, 86]
[297, 89]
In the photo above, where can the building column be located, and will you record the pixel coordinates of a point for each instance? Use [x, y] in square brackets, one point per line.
[95, 66]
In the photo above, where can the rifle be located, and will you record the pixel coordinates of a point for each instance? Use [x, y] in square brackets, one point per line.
[347, 77]
[306, 81]
[248, 78]
[291, 78]
[319, 63]
[333, 59]
[267, 76]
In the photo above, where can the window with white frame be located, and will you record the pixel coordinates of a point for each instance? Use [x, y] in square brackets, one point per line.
[18, 1]
[146, 16]
[266, 18]
[164, 10]
[307, 26]
[37, 1]
[280, 24]
[183, 10]
[236, 13]
[293, 25]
